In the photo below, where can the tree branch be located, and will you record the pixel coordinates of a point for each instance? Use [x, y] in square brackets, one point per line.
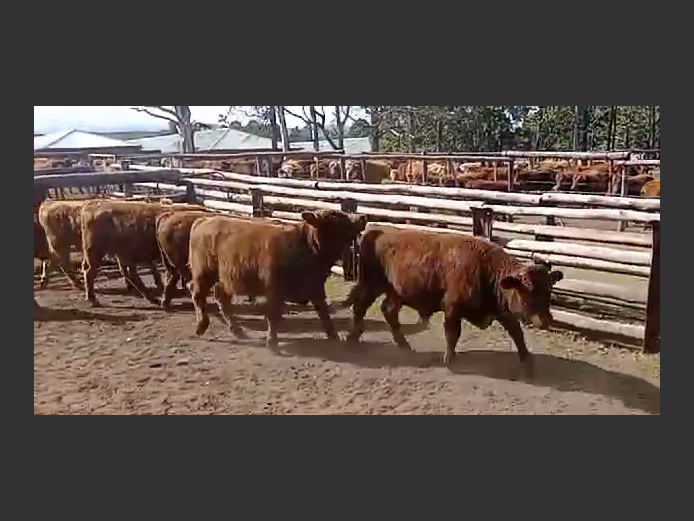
[155, 115]
[305, 119]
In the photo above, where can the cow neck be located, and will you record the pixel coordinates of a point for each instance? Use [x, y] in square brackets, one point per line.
[503, 265]
[322, 257]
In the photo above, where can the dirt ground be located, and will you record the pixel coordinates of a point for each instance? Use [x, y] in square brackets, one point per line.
[131, 358]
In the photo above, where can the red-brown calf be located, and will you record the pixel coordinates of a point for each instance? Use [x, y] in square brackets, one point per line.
[285, 263]
[465, 277]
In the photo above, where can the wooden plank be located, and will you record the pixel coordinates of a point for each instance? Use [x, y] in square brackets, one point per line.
[633, 331]
[635, 258]
[105, 178]
[631, 294]
[231, 207]
[584, 263]
[567, 155]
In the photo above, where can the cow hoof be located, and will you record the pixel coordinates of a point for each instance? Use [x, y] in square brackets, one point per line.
[272, 343]
[95, 303]
[202, 327]
[448, 358]
[43, 284]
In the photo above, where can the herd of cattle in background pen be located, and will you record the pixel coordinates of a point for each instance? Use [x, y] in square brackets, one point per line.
[549, 174]
[211, 253]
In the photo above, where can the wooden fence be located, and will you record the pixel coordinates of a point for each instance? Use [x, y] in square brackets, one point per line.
[450, 210]
[462, 211]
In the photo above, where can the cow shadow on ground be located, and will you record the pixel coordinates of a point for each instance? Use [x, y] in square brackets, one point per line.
[550, 371]
[302, 324]
[44, 314]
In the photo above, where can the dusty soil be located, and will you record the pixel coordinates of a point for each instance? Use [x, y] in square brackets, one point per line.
[130, 358]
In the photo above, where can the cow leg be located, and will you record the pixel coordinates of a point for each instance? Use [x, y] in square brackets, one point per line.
[452, 327]
[391, 310]
[362, 298]
[513, 328]
[199, 289]
[62, 260]
[45, 269]
[129, 286]
[226, 309]
[156, 276]
[90, 267]
[323, 311]
[172, 278]
[134, 277]
[273, 314]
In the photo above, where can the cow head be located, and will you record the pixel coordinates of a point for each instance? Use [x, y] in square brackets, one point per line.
[332, 231]
[529, 291]
[353, 170]
[334, 170]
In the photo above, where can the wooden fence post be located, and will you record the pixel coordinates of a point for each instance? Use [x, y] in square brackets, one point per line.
[425, 171]
[343, 166]
[350, 255]
[257, 201]
[621, 226]
[651, 342]
[191, 197]
[483, 222]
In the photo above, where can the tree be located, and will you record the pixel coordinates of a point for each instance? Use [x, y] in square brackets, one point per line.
[283, 127]
[179, 118]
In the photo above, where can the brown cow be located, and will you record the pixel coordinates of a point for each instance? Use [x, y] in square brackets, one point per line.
[293, 169]
[127, 231]
[465, 277]
[61, 222]
[285, 263]
[651, 189]
[41, 251]
[173, 235]
[376, 171]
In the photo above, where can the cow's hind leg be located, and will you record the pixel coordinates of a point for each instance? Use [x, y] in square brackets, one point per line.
[134, 277]
[90, 267]
[273, 314]
[391, 311]
[226, 309]
[156, 276]
[199, 289]
[513, 328]
[61, 258]
[172, 278]
[45, 270]
[361, 298]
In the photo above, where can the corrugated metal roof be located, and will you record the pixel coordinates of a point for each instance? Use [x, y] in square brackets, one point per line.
[353, 145]
[76, 140]
[206, 140]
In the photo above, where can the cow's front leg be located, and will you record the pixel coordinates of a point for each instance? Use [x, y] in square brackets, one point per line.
[321, 306]
[273, 315]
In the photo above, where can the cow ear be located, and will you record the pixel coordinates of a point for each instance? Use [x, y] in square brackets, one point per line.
[310, 217]
[555, 277]
[510, 282]
[361, 222]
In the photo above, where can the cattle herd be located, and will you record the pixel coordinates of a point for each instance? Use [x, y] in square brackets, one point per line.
[565, 175]
[463, 277]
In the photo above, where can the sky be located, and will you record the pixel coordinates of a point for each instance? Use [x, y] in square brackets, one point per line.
[106, 118]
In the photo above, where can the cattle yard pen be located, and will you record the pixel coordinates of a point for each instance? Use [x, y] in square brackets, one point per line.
[631, 256]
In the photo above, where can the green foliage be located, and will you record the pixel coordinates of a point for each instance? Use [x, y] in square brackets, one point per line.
[487, 128]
